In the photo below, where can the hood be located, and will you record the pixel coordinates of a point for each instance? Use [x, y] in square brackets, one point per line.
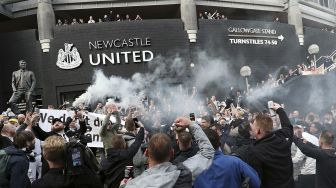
[11, 150]
[163, 175]
[331, 152]
[128, 136]
[240, 141]
[114, 154]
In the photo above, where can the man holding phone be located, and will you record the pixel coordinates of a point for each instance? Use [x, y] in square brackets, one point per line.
[270, 155]
[109, 129]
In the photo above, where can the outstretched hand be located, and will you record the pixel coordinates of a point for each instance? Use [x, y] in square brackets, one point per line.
[182, 122]
[28, 119]
[112, 108]
[276, 106]
[35, 118]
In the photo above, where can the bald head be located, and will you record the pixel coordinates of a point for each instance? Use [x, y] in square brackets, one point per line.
[8, 130]
[21, 118]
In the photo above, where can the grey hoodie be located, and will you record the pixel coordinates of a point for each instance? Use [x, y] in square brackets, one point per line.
[165, 175]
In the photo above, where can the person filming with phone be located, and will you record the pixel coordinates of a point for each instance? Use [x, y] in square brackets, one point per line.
[270, 154]
[132, 126]
[118, 156]
[109, 129]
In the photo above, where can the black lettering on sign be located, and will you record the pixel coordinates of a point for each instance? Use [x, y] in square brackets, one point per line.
[43, 117]
[97, 122]
[94, 137]
[50, 118]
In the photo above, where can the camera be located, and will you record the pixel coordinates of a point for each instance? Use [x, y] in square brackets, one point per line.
[129, 172]
[136, 122]
[192, 117]
[76, 135]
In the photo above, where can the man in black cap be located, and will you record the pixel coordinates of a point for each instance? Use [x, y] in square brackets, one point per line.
[59, 128]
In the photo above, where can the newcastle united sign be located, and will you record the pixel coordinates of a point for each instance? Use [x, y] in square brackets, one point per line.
[136, 56]
[103, 52]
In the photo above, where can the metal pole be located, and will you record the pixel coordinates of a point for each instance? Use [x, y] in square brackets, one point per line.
[247, 85]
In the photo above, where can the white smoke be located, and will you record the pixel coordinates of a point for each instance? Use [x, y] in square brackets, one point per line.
[266, 89]
[104, 87]
[160, 83]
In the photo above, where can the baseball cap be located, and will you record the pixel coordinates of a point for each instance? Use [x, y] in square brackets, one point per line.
[13, 120]
[56, 120]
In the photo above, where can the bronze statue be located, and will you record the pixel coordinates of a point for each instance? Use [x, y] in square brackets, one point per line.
[23, 83]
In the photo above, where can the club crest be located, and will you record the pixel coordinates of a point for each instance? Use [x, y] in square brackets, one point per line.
[69, 58]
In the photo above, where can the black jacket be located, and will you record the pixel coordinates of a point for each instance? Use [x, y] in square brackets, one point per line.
[239, 145]
[181, 156]
[42, 135]
[113, 166]
[325, 163]
[5, 142]
[55, 179]
[271, 156]
[17, 168]
[185, 178]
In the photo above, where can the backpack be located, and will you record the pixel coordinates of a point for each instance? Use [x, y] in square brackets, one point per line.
[4, 158]
[79, 160]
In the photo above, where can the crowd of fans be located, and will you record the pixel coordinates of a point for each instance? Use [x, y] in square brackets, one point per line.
[220, 144]
[331, 30]
[212, 16]
[289, 74]
[118, 17]
[106, 18]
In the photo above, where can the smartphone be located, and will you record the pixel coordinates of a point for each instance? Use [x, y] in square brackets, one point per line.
[192, 117]
[270, 106]
[135, 120]
[76, 157]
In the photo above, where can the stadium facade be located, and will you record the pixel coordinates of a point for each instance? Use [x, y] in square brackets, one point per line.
[64, 58]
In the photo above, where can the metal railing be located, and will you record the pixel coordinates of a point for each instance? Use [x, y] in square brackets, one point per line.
[330, 4]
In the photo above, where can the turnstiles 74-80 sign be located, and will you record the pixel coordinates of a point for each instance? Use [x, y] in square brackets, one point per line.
[254, 36]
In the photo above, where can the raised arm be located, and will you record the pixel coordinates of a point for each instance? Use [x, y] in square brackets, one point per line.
[111, 109]
[299, 156]
[202, 160]
[103, 129]
[22, 127]
[284, 120]
[286, 130]
[133, 149]
[309, 149]
[117, 124]
[206, 149]
[40, 134]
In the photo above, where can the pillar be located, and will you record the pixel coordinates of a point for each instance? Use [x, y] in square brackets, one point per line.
[295, 18]
[189, 18]
[46, 23]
